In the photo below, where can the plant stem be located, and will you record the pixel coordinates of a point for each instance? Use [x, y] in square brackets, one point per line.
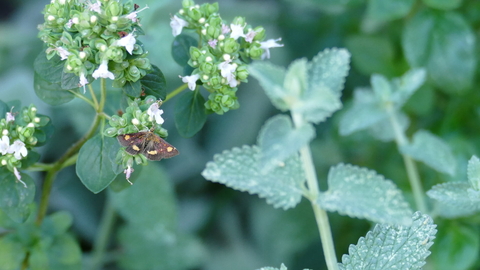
[176, 92]
[410, 166]
[101, 241]
[82, 97]
[66, 158]
[321, 216]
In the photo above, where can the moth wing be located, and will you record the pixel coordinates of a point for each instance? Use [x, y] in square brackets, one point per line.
[158, 148]
[133, 141]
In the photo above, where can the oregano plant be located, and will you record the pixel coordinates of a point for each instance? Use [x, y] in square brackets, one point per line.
[366, 160]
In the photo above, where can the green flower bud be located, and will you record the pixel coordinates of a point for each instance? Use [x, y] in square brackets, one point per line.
[228, 101]
[260, 33]
[110, 132]
[115, 54]
[214, 31]
[187, 3]
[255, 52]
[194, 13]
[32, 140]
[195, 53]
[209, 9]
[242, 72]
[208, 67]
[230, 46]
[114, 121]
[113, 9]
[239, 21]
[133, 74]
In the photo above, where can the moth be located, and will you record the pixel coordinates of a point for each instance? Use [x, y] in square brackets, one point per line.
[147, 143]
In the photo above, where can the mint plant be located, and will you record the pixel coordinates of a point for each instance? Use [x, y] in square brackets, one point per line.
[326, 150]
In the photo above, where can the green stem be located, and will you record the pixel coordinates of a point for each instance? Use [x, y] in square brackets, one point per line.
[82, 97]
[66, 158]
[410, 166]
[103, 236]
[176, 92]
[321, 216]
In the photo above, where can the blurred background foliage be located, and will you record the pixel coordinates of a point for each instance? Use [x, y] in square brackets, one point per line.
[234, 230]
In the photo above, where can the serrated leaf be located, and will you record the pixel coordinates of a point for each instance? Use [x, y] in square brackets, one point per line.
[362, 193]
[295, 80]
[132, 89]
[14, 196]
[239, 169]
[387, 10]
[190, 115]
[364, 113]
[473, 172]
[444, 43]
[149, 201]
[431, 150]
[463, 247]
[271, 79]
[94, 164]
[406, 85]
[460, 195]
[383, 129]
[154, 83]
[443, 4]
[392, 247]
[181, 48]
[51, 93]
[278, 140]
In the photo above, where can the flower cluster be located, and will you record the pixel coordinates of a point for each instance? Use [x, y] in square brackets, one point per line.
[220, 61]
[97, 39]
[140, 115]
[19, 134]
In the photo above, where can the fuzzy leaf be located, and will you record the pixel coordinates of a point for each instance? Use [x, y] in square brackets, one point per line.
[473, 172]
[405, 86]
[383, 130]
[381, 87]
[386, 10]
[459, 195]
[190, 115]
[271, 78]
[431, 150]
[239, 169]
[282, 267]
[392, 247]
[278, 140]
[362, 193]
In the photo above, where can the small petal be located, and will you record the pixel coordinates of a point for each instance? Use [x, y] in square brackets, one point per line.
[128, 172]
[155, 113]
[18, 176]
[177, 25]
[191, 80]
[237, 31]
[266, 45]
[4, 144]
[97, 7]
[9, 117]
[63, 53]
[212, 43]
[250, 36]
[133, 16]
[128, 42]
[83, 81]
[18, 149]
[225, 29]
[102, 72]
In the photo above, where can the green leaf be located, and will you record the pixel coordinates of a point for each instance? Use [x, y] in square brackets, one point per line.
[3, 109]
[95, 162]
[364, 113]
[431, 150]
[463, 247]
[405, 86]
[392, 247]
[362, 193]
[443, 4]
[459, 195]
[158, 249]
[59, 253]
[14, 196]
[132, 89]
[295, 81]
[282, 267]
[240, 169]
[149, 201]
[372, 54]
[383, 130]
[271, 79]
[51, 93]
[181, 48]
[387, 10]
[57, 223]
[70, 81]
[154, 83]
[278, 140]
[444, 43]
[49, 70]
[12, 253]
[190, 115]
[381, 87]
[473, 172]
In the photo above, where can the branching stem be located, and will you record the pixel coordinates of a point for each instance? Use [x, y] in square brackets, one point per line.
[176, 92]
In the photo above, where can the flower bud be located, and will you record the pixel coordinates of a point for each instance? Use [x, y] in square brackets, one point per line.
[231, 46]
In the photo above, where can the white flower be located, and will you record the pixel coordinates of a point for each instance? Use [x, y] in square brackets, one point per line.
[133, 16]
[18, 176]
[177, 25]
[266, 45]
[69, 23]
[250, 35]
[155, 113]
[63, 53]
[18, 149]
[227, 71]
[4, 144]
[102, 71]
[127, 41]
[9, 117]
[97, 7]
[128, 172]
[191, 80]
[83, 81]
[237, 31]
